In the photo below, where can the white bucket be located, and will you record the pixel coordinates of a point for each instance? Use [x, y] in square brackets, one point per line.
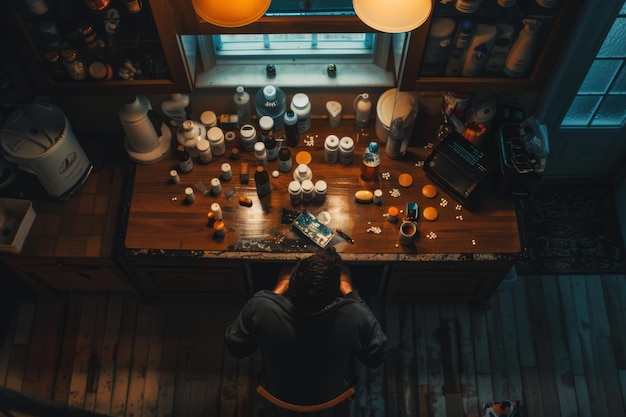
[390, 106]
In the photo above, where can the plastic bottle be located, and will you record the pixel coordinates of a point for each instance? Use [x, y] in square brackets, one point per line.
[260, 154]
[185, 164]
[262, 181]
[175, 108]
[320, 190]
[468, 6]
[346, 150]
[331, 149]
[295, 192]
[215, 135]
[242, 101]
[393, 149]
[301, 106]
[478, 51]
[371, 162]
[362, 110]
[521, 53]
[284, 159]
[266, 124]
[500, 48]
[204, 151]
[439, 37]
[291, 128]
[188, 135]
[456, 57]
[308, 191]
[270, 101]
[248, 137]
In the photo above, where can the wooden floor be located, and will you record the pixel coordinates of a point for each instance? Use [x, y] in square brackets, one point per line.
[557, 344]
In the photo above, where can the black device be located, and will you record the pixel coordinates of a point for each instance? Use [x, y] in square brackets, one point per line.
[412, 211]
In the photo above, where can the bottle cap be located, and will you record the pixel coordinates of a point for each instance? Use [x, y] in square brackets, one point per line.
[269, 91]
[373, 147]
[266, 123]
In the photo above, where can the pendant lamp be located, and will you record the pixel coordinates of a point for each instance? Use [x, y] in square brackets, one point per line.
[393, 16]
[230, 14]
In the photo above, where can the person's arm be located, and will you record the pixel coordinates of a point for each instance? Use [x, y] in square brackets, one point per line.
[345, 281]
[283, 279]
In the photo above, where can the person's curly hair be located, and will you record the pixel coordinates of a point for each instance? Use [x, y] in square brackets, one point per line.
[314, 282]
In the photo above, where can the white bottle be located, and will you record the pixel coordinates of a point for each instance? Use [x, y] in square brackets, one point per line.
[242, 101]
[215, 135]
[362, 110]
[521, 54]
[479, 49]
[501, 47]
[439, 38]
[301, 106]
[175, 108]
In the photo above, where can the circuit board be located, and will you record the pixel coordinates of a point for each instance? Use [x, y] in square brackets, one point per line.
[312, 228]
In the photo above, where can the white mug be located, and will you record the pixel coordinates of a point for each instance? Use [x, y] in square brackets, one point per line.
[407, 232]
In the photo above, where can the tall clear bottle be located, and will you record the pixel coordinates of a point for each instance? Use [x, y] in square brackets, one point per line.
[242, 101]
[270, 101]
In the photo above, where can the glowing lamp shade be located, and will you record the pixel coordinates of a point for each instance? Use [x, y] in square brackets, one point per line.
[230, 14]
[393, 16]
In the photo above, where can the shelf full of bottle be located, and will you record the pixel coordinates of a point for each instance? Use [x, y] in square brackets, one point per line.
[88, 41]
[488, 38]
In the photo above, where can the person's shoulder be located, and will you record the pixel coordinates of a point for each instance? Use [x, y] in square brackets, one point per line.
[268, 297]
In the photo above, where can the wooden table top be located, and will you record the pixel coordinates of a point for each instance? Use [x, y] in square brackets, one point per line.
[159, 219]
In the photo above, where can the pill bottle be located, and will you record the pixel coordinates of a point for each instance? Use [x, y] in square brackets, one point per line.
[301, 106]
[320, 190]
[208, 119]
[308, 191]
[216, 186]
[284, 159]
[204, 151]
[248, 137]
[217, 211]
[378, 196]
[227, 172]
[346, 150]
[295, 192]
[302, 173]
[215, 135]
[392, 214]
[291, 128]
[331, 149]
[260, 154]
[189, 195]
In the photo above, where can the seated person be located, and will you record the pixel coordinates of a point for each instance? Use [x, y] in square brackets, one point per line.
[309, 330]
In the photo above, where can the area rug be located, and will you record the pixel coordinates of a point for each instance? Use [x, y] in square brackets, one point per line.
[570, 229]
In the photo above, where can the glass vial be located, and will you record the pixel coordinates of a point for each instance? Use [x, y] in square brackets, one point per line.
[284, 159]
[371, 162]
[291, 128]
[262, 181]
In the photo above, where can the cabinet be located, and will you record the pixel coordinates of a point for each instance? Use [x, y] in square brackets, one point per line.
[466, 280]
[179, 275]
[117, 49]
[556, 25]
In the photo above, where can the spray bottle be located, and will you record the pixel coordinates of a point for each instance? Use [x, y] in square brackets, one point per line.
[521, 53]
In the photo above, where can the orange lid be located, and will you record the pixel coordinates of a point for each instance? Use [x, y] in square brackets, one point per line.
[218, 225]
[303, 157]
[393, 211]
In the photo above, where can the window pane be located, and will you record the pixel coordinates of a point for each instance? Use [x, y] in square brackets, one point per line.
[599, 77]
[619, 87]
[614, 45]
[611, 112]
[310, 7]
[581, 110]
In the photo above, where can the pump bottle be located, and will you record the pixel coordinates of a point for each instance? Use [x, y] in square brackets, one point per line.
[521, 53]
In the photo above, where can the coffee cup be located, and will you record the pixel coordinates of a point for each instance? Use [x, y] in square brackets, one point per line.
[407, 232]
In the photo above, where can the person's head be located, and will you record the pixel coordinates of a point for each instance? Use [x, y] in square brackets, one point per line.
[314, 281]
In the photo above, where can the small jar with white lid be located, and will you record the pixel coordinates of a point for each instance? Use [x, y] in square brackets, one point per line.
[227, 172]
[320, 190]
[295, 192]
[346, 150]
[302, 173]
[204, 151]
[248, 137]
[308, 191]
[331, 149]
[215, 135]
[208, 119]
[260, 154]
[378, 196]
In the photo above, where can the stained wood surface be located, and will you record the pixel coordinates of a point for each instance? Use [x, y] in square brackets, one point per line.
[160, 219]
[553, 342]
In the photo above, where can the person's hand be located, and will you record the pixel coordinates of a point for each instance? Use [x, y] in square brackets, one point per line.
[345, 281]
[283, 280]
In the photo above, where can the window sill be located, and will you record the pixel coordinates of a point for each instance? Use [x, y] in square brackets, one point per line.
[296, 75]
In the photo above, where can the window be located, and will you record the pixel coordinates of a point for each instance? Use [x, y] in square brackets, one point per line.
[601, 98]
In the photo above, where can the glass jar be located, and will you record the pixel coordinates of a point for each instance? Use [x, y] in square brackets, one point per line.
[74, 66]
